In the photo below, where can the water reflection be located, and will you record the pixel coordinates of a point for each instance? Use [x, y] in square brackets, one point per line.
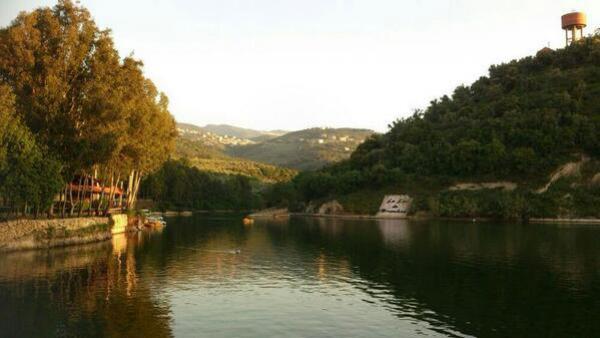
[89, 290]
[310, 277]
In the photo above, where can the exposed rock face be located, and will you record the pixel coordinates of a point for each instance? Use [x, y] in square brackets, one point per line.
[566, 170]
[596, 179]
[331, 208]
[394, 206]
[505, 185]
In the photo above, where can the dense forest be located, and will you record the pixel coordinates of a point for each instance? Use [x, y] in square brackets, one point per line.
[180, 186]
[518, 124]
[70, 106]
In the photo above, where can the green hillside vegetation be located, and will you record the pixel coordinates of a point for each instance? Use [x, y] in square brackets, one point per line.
[178, 185]
[305, 149]
[264, 173]
[211, 159]
[519, 123]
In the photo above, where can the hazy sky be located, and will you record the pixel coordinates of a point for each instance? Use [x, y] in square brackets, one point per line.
[283, 64]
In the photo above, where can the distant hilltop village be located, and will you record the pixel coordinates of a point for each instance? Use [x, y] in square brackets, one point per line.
[210, 138]
[321, 135]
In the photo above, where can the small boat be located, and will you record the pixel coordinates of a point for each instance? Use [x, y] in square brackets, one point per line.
[156, 220]
[248, 221]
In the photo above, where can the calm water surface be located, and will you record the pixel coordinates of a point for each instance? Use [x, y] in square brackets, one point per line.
[310, 278]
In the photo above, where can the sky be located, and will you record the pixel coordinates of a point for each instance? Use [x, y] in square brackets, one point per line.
[294, 64]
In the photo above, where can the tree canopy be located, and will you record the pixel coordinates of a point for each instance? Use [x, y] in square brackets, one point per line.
[87, 108]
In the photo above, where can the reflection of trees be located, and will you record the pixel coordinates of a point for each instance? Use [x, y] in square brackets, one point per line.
[79, 291]
[471, 278]
[482, 279]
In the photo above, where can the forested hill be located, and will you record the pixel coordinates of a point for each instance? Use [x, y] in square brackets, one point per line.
[519, 123]
[205, 150]
[306, 149]
[523, 120]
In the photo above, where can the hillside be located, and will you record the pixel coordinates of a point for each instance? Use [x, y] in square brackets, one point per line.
[241, 133]
[305, 149]
[519, 124]
[206, 151]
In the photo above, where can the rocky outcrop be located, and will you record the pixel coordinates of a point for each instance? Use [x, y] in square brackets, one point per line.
[505, 185]
[566, 170]
[596, 180]
[270, 213]
[331, 208]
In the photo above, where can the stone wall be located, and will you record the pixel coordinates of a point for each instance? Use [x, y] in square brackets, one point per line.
[18, 229]
[28, 234]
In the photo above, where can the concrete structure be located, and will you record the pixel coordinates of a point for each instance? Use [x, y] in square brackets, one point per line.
[394, 206]
[573, 25]
[118, 223]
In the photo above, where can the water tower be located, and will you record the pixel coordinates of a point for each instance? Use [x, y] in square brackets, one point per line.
[573, 24]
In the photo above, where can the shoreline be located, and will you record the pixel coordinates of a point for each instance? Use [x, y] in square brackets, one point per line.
[267, 215]
[43, 234]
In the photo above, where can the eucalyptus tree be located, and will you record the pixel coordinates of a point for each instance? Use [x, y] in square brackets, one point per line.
[151, 131]
[85, 106]
[28, 178]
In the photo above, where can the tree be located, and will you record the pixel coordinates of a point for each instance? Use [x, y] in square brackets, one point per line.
[29, 179]
[95, 113]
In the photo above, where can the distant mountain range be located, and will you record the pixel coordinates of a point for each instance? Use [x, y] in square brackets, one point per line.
[306, 149]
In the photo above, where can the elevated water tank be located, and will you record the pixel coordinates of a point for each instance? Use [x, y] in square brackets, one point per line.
[573, 23]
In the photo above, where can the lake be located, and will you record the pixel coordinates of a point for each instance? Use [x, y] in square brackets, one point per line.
[309, 277]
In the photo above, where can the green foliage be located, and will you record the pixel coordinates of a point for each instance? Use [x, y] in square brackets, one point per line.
[525, 118]
[27, 175]
[265, 173]
[518, 123]
[207, 154]
[484, 203]
[178, 185]
[77, 107]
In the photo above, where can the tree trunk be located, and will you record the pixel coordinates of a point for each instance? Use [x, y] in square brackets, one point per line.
[102, 187]
[136, 189]
[64, 202]
[72, 206]
[51, 210]
[82, 189]
[129, 188]
[79, 189]
[121, 197]
[110, 193]
[90, 208]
